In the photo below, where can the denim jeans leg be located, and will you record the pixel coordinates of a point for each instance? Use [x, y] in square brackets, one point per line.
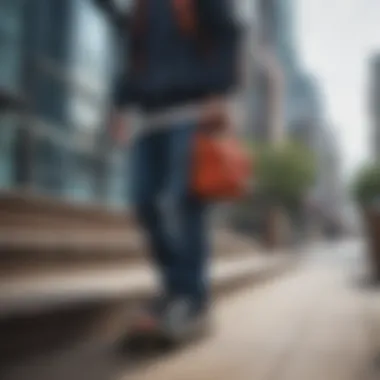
[195, 248]
[189, 217]
[149, 169]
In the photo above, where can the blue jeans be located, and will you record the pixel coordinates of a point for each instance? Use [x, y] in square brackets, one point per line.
[173, 218]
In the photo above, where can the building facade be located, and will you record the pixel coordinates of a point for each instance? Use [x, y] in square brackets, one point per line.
[269, 93]
[374, 106]
[329, 191]
[279, 26]
[59, 55]
[307, 112]
[11, 55]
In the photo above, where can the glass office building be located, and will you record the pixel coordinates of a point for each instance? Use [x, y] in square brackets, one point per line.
[11, 35]
[59, 55]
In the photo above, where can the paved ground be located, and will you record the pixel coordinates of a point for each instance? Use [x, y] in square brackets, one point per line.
[319, 323]
[79, 343]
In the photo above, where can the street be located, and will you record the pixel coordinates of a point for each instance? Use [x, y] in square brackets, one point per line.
[318, 322]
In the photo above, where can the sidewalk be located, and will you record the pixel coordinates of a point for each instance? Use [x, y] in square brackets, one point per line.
[315, 324]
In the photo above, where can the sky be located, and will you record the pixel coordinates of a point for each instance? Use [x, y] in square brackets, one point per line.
[336, 39]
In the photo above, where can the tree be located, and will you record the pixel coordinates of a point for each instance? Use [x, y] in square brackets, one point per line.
[366, 186]
[284, 173]
[282, 176]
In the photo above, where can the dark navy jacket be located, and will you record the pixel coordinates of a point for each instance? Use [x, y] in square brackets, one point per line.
[175, 70]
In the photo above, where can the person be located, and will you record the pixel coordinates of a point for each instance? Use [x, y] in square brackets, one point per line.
[176, 82]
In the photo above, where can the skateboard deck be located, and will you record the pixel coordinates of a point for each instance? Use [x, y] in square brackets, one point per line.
[162, 340]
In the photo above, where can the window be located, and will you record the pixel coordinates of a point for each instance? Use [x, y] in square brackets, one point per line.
[82, 185]
[91, 65]
[10, 44]
[10, 58]
[8, 128]
[52, 165]
[10, 79]
[11, 17]
[118, 179]
[91, 68]
[51, 95]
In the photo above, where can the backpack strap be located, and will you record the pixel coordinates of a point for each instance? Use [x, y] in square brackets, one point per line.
[139, 18]
[190, 22]
[186, 13]
[137, 31]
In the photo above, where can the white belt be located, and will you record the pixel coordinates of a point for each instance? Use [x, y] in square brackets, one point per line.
[172, 115]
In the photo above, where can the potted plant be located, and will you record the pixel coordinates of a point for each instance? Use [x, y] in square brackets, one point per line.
[366, 191]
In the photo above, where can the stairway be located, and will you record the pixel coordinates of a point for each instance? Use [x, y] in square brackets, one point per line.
[71, 275]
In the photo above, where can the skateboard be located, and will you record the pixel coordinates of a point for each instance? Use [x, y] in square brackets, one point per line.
[164, 339]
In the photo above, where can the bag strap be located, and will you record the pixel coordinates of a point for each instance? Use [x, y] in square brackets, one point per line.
[191, 23]
[137, 31]
[139, 18]
[187, 17]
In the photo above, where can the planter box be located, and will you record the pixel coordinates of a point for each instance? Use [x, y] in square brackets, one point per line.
[371, 218]
[277, 229]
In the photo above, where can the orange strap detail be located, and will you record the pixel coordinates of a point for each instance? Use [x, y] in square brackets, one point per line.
[186, 15]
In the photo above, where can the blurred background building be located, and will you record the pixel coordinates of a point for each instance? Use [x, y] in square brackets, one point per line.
[288, 102]
[301, 109]
[59, 55]
[374, 80]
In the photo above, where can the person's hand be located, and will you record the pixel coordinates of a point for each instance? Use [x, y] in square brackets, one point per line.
[118, 128]
[216, 115]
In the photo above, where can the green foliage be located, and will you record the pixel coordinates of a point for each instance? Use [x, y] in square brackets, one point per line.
[284, 173]
[366, 186]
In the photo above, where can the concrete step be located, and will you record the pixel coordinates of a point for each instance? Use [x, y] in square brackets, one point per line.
[30, 293]
[27, 250]
[60, 310]
[71, 275]
[38, 231]
[28, 209]
[54, 247]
